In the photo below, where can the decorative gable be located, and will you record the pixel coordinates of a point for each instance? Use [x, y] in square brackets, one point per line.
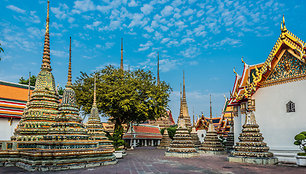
[288, 69]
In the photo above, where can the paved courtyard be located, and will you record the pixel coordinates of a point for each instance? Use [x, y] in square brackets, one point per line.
[150, 160]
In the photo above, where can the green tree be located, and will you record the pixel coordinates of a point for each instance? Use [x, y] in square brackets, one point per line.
[125, 96]
[26, 82]
[1, 50]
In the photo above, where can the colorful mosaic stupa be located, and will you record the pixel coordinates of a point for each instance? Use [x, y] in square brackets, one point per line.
[182, 145]
[194, 135]
[95, 127]
[165, 142]
[51, 136]
[212, 144]
[251, 148]
[184, 115]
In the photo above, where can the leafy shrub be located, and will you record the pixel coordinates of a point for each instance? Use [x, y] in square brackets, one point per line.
[300, 140]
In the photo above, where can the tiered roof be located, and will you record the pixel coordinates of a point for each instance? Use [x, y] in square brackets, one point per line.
[262, 75]
[143, 131]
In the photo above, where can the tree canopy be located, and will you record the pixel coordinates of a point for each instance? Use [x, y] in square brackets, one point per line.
[125, 96]
[26, 81]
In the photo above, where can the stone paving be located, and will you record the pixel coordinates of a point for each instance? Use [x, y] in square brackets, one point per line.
[148, 160]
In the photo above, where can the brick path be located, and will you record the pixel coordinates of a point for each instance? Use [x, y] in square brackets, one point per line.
[149, 160]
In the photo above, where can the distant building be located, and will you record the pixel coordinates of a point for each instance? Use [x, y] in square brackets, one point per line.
[13, 100]
[164, 121]
[143, 135]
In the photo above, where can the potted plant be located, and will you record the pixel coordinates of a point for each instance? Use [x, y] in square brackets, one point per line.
[300, 140]
[118, 143]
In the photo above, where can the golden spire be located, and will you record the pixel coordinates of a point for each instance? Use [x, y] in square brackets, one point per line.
[95, 95]
[210, 109]
[46, 55]
[184, 92]
[157, 68]
[29, 91]
[69, 84]
[193, 118]
[121, 63]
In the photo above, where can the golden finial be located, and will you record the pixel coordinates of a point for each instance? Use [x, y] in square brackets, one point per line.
[69, 67]
[235, 71]
[283, 26]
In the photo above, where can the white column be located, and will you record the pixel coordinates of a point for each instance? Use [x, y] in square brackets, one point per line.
[145, 142]
[134, 143]
[152, 142]
[158, 142]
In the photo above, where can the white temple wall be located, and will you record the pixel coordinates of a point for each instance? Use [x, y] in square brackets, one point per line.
[201, 135]
[277, 126]
[238, 122]
[6, 129]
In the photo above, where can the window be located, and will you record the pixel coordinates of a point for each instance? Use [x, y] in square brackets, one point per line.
[290, 106]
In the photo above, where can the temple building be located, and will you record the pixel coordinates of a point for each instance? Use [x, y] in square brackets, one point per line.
[184, 115]
[201, 127]
[142, 135]
[164, 121]
[277, 92]
[50, 134]
[13, 100]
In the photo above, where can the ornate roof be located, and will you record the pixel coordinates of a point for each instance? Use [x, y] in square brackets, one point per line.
[143, 131]
[256, 76]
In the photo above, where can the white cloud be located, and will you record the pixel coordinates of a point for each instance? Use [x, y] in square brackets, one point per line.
[93, 25]
[167, 11]
[138, 20]
[61, 12]
[185, 40]
[190, 52]
[16, 9]
[165, 40]
[58, 53]
[188, 12]
[167, 64]
[146, 9]
[132, 3]
[145, 46]
[84, 5]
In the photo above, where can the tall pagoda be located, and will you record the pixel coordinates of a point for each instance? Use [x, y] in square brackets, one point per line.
[165, 142]
[94, 124]
[182, 145]
[184, 115]
[51, 135]
[212, 144]
[44, 101]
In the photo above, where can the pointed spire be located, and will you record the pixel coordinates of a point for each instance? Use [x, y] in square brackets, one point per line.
[184, 92]
[69, 84]
[29, 91]
[95, 95]
[46, 55]
[210, 110]
[158, 68]
[121, 63]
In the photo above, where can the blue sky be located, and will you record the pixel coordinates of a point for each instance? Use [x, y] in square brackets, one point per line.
[206, 39]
